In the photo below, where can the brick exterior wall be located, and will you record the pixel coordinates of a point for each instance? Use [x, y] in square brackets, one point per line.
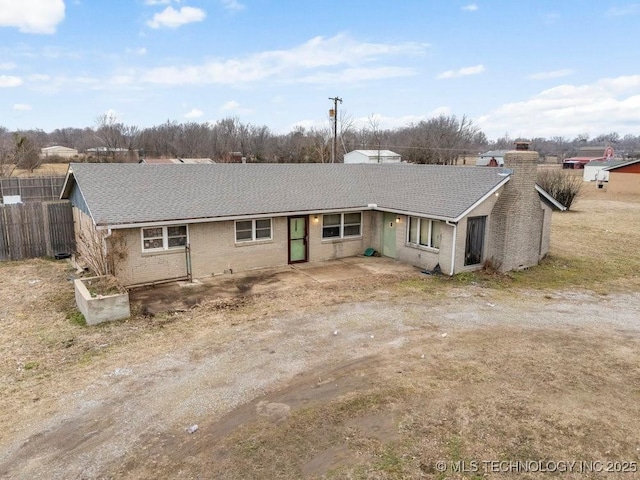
[516, 224]
[423, 257]
[486, 209]
[214, 251]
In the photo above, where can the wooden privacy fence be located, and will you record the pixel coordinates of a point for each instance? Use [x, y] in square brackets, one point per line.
[32, 189]
[37, 229]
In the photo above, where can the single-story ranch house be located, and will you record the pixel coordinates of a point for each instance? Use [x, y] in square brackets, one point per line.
[169, 222]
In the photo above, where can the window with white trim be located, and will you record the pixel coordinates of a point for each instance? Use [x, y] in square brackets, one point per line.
[164, 238]
[342, 225]
[253, 230]
[424, 232]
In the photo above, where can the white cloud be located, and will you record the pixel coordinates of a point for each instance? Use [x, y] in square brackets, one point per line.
[172, 18]
[230, 105]
[7, 66]
[607, 105]
[234, 107]
[462, 72]
[21, 107]
[136, 51]
[32, 16]
[10, 81]
[552, 74]
[317, 60]
[233, 5]
[194, 113]
[39, 77]
[354, 75]
[157, 2]
[122, 80]
[472, 7]
[630, 9]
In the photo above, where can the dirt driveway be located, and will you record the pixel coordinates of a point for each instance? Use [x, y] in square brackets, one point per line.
[365, 370]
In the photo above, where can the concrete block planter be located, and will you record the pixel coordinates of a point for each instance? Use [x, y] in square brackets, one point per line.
[101, 299]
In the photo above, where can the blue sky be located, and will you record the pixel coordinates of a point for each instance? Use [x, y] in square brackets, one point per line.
[526, 68]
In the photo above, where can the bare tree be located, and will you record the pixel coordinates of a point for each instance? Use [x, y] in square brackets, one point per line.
[110, 133]
[6, 149]
[374, 126]
[26, 154]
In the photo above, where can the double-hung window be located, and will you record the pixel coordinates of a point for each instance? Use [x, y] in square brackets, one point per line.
[164, 238]
[342, 225]
[253, 230]
[424, 232]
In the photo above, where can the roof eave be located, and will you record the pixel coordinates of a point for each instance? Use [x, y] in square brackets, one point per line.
[66, 186]
[550, 199]
[483, 198]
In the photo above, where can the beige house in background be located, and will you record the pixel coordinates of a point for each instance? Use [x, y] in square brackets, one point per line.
[372, 156]
[169, 222]
[58, 151]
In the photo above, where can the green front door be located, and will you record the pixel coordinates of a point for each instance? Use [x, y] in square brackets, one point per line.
[297, 239]
[389, 235]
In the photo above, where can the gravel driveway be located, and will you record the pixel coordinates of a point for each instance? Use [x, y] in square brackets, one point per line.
[125, 411]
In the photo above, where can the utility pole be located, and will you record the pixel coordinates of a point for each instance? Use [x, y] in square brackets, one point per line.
[334, 113]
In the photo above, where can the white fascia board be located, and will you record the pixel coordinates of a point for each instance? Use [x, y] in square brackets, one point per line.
[413, 214]
[66, 181]
[483, 198]
[552, 200]
[64, 187]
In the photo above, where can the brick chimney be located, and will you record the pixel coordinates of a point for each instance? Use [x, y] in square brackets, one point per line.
[517, 218]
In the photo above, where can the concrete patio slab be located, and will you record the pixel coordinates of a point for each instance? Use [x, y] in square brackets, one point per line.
[183, 295]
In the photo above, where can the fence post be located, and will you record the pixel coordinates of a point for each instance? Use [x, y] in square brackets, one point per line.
[47, 228]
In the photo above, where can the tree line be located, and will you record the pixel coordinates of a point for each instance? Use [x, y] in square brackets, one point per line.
[441, 140]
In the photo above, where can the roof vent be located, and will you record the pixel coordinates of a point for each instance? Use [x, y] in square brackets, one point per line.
[522, 145]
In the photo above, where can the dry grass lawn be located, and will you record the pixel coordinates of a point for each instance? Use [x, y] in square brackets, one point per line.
[539, 365]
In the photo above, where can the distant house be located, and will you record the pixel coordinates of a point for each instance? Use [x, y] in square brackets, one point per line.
[587, 155]
[596, 152]
[372, 156]
[177, 161]
[484, 159]
[105, 150]
[576, 163]
[624, 177]
[596, 170]
[58, 151]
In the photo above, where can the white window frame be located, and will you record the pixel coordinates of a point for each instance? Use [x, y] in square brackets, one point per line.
[165, 238]
[418, 243]
[253, 230]
[342, 225]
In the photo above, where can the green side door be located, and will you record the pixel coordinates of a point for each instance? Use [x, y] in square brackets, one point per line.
[389, 235]
[297, 239]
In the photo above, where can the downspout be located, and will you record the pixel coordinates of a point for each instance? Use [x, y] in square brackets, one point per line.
[453, 251]
[105, 250]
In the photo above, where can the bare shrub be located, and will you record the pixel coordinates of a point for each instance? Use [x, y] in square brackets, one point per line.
[99, 252]
[563, 185]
